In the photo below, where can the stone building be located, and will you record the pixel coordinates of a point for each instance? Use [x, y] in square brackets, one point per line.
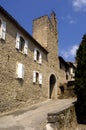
[66, 78]
[29, 65]
[66, 71]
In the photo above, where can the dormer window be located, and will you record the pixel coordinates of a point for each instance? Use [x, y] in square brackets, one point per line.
[2, 29]
[21, 44]
[37, 56]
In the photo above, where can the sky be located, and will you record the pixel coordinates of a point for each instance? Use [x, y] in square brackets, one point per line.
[71, 17]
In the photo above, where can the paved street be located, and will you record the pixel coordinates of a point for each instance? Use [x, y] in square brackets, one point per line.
[32, 118]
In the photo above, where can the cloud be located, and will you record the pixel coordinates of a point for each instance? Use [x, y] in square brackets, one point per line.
[69, 19]
[79, 5]
[73, 50]
[72, 21]
[63, 18]
[70, 53]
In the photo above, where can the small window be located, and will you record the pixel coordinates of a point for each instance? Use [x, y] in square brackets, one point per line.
[2, 29]
[37, 56]
[20, 71]
[67, 75]
[21, 44]
[37, 77]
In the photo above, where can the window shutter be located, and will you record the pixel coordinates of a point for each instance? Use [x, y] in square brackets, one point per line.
[40, 78]
[26, 47]
[3, 30]
[35, 54]
[20, 70]
[40, 58]
[34, 77]
[71, 70]
[17, 41]
[0, 28]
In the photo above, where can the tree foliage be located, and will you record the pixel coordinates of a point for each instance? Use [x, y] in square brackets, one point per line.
[80, 76]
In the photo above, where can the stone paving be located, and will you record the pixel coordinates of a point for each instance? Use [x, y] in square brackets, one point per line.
[34, 117]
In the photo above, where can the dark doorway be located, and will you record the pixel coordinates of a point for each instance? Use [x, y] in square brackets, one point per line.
[52, 83]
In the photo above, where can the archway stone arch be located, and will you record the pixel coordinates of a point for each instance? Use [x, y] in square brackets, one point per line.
[52, 89]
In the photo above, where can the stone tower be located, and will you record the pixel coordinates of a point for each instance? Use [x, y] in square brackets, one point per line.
[45, 32]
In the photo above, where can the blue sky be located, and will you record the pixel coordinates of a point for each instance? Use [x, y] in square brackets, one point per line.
[71, 15]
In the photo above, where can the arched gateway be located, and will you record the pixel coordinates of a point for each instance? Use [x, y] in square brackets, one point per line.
[52, 86]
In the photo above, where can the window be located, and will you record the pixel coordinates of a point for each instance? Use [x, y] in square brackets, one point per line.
[67, 75]
[2, 29]
[21, 44]
[20, 70]
[37, 56]
[37, 77]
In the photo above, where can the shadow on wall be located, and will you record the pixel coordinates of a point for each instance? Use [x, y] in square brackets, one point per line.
[62, 89]
[67, 90]
[21, 81]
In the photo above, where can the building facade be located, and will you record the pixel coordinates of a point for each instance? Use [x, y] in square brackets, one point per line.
[66, 71]
[29, 65]
[28, 68]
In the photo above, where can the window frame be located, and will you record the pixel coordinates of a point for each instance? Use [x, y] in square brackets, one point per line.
[37, 77]
[37, 58]
[21, 44]
[25, 48]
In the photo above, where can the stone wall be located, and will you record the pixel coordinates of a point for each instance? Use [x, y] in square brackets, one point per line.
[13, 91]
[64, 119]
[45, 32]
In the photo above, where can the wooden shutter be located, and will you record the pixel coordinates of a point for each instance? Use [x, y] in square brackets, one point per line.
[17, 41]
[71, 70]
[34, 77]
[40, 78]
[20, 70]
[40, 58]
[0, 28]
[3, 30]
[26, 47]
[35, 54]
